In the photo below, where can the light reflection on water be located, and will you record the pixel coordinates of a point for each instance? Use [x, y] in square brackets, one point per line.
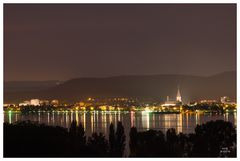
[10, 117]
[100, 122]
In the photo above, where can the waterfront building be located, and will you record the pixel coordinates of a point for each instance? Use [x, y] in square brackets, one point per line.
[44, 102]
[6, 105]
[173, 103]
[208, 101]
[35, 102]
[226, 100]
[55, 102]
[25, 103]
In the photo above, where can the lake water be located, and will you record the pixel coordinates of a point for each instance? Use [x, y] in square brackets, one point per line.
[100, 121]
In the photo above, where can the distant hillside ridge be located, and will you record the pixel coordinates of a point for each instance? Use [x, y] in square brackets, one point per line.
[17, 86]
[151, 86]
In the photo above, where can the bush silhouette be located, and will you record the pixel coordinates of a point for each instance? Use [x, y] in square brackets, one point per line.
[29, 139]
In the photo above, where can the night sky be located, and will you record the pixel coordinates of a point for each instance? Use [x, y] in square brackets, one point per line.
[60, 42]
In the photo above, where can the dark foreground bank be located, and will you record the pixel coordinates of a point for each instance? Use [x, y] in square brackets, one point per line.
[28, 139]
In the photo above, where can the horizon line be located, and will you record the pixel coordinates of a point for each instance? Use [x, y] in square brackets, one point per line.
[130, 75]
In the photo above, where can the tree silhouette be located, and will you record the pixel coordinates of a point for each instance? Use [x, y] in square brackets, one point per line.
[117, 140]
[73, 129]
[112, 140]
[98, 145]
[81, 134]
[213, 139]
[77, 139]
[120, 140]
[133, 141]
[172, 144]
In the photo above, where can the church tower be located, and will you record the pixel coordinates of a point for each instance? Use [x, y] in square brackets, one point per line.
[179, 98]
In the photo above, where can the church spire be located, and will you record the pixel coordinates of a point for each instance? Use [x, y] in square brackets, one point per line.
[179, 98]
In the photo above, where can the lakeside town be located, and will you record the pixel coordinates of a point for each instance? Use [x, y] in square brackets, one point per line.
[224, 104]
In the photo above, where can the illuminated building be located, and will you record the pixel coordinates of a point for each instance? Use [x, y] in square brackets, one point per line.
[54, 102]
[32, 102]
[35, 102]
[178, 98]
[44, 102]
[208, 101]
[90, 99]
[226, 100]
[6, 105]
[81, 104]
[177, 102]
[25, 103]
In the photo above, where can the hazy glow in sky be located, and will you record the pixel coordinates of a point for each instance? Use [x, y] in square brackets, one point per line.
[49, 42]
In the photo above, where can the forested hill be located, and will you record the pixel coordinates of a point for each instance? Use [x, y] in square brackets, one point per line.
[153, 86]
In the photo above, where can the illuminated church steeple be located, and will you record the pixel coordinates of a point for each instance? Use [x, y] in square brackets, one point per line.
[179, 98]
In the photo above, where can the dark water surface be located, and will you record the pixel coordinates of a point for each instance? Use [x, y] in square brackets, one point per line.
[100, 121]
